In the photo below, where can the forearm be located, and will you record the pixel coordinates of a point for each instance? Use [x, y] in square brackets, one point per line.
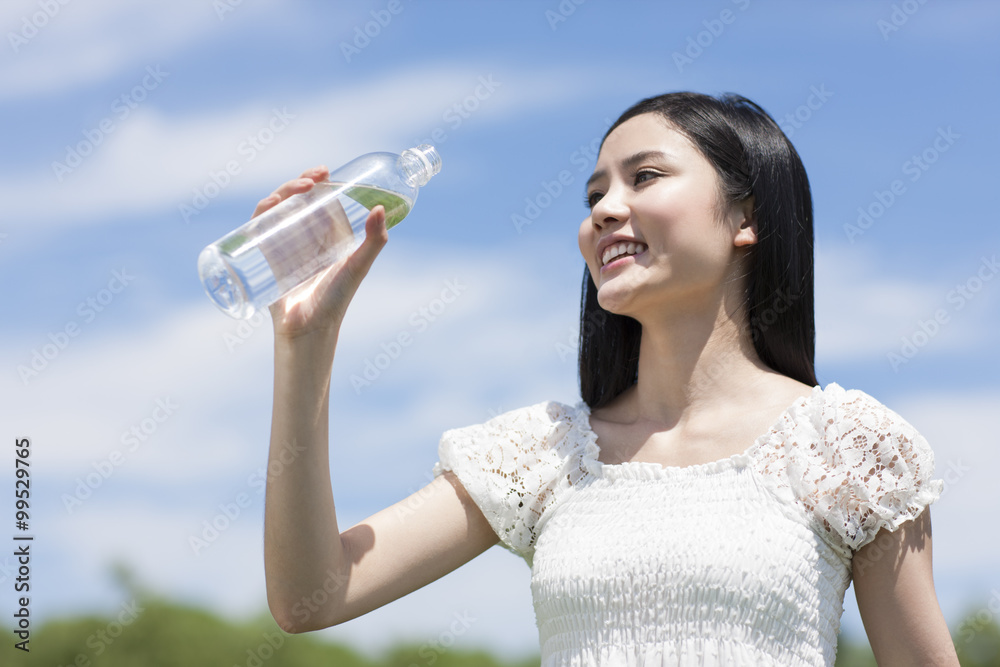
[302, 543]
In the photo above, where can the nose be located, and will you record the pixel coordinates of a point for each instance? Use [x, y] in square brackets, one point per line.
[611, 208]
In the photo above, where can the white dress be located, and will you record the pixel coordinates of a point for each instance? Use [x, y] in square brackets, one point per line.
[740, 561]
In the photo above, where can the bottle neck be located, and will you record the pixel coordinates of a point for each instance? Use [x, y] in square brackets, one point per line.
[419, 164]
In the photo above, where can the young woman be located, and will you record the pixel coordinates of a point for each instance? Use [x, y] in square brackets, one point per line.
[707, 501]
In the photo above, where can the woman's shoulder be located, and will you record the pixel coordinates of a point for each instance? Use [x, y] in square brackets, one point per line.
[855, 462]
[540, 433]
[837, 412]
[834, 428]
[517, 465]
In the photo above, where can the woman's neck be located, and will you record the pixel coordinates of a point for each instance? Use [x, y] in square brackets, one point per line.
[693, 364]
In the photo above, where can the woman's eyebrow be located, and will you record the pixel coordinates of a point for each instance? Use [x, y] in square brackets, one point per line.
[628, 163]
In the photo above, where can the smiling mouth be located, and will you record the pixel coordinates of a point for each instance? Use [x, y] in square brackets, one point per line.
[620, 250]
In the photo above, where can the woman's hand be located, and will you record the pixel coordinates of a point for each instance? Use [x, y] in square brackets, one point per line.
[319, 305]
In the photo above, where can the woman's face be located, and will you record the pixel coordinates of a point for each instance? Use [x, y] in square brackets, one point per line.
[653, 191]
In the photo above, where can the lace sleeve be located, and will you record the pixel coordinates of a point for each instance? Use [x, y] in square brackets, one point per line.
[870, 469]
[510, 466]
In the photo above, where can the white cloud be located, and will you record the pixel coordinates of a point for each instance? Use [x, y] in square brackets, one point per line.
[960, 426]
[863, 313]
[149, 162]
[81, 43]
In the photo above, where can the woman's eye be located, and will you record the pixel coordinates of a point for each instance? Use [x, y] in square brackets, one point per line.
[642, 176]
[591, 200]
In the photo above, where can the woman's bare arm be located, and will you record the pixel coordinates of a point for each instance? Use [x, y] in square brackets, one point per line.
[316, 575]
[894, 585]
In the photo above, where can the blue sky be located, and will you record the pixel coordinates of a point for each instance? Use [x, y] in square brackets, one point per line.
[120, 119]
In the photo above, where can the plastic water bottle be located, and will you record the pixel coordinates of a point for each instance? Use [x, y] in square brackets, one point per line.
[253, 266]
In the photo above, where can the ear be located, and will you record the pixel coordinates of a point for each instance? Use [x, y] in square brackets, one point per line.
[747, 233]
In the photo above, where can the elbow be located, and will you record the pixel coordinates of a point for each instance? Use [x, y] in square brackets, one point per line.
[295, 618]
[286, 624]
[289, 623]
[286, 620]
[299, 607]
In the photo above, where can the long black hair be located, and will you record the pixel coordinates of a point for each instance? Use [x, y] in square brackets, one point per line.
[752, 157]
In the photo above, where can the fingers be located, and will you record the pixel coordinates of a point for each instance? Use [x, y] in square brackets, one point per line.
[375, 229]
[338, 285]
[318, 173]
[304, 183]
[376, 236]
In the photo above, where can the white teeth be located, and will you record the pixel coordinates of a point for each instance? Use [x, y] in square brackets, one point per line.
[623, 248]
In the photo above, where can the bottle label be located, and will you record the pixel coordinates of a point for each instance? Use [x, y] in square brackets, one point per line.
[304, 249]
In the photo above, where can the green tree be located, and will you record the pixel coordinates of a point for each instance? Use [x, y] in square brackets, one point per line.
[977, 638]
[153, 632]
[851, 653]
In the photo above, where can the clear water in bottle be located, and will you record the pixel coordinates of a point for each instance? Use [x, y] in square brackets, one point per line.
[253, 266]
[316, 229]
